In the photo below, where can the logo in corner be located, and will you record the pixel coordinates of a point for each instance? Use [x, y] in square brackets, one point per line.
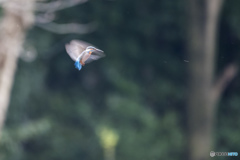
[212, 153]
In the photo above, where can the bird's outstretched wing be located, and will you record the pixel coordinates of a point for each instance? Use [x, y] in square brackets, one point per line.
[75, 48]
[95, 56]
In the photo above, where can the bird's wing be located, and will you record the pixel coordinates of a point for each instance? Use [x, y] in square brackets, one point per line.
[72, 51]
[95, 56]
[75, 48]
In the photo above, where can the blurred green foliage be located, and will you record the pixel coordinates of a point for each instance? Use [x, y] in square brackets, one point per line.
[139, 89]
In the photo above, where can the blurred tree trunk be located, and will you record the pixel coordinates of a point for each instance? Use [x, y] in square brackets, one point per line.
[17, 18]
[204, 91]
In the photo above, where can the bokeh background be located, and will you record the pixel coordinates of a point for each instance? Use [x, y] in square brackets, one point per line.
[130, 105]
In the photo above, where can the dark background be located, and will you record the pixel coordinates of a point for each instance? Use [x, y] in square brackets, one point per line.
[138, 91]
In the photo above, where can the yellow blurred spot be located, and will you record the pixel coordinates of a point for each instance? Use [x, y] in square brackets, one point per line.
[108, 138]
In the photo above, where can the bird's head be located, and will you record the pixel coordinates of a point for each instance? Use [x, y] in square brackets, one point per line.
[92, 49]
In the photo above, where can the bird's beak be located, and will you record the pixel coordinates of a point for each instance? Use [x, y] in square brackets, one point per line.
[98, 50]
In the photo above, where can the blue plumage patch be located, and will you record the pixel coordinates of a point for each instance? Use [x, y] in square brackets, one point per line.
[78, 65]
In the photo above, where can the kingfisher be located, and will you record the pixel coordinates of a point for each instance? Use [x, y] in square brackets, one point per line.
[82, 52]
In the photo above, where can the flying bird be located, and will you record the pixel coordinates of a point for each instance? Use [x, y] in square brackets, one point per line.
[83, 53]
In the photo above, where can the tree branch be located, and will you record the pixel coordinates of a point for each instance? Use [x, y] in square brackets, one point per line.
[68, 27]
[13, 26]
[222, 82]
[57, 5]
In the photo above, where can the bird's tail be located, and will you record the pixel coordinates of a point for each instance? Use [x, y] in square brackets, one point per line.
[78, 65]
